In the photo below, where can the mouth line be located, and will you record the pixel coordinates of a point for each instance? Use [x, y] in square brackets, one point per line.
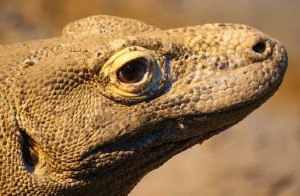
[153, 137]
[247, 106]
[161, 150]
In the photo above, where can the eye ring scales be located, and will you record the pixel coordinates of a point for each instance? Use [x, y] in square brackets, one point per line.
[133, 72]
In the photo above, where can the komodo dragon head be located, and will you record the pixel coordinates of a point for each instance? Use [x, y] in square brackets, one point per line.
[93, 111]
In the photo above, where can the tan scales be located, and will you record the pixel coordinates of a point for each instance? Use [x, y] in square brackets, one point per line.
[93, 111]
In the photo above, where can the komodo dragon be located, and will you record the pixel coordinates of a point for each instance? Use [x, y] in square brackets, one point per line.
[93, 111]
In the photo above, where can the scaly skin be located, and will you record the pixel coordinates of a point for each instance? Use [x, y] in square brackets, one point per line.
[93, 111]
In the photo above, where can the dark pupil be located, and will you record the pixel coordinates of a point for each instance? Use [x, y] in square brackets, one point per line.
[132, 72]
[259, 47]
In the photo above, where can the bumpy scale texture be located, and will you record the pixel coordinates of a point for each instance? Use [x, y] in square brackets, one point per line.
[93, 111]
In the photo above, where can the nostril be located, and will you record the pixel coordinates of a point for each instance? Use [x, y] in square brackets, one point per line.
[259, 47]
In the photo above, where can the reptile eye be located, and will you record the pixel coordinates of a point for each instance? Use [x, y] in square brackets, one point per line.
[132, 71]
[259, 47]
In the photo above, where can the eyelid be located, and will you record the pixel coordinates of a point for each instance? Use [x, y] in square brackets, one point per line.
[119, 57]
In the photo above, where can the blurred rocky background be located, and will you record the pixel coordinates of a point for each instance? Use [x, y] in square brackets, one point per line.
[260, 155]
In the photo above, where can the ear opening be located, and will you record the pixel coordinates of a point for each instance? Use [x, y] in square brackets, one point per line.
[30, 153]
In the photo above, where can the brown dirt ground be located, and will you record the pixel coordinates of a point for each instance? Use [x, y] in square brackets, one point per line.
[260, 155]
